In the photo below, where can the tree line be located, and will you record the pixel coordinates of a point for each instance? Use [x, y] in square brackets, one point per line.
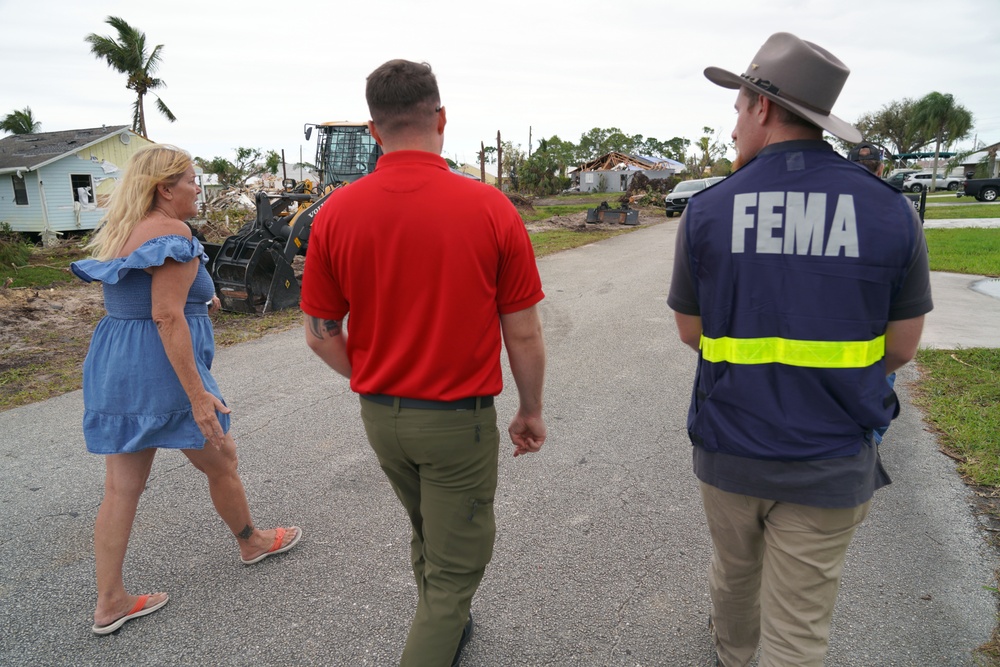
[544, 170]
[901, 127]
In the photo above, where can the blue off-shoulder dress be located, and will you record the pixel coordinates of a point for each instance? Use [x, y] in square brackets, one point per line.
[131, 395]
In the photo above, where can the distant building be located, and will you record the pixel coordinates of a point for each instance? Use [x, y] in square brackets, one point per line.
[985, 156]
[613, 172]
[474, 171]
[53, 182]
[274, 182]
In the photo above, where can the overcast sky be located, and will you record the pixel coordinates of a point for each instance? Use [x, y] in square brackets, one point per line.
[251, 73]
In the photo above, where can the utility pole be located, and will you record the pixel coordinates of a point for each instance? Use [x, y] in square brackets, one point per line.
[529, 141]
[499, 162]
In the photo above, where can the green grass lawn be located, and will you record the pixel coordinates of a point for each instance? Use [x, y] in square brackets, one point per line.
[959, 393]
[567, 204]
[42, 268]
[549, 242]
[959, 390]
[964, 250]
[962, 211]
[546, 212]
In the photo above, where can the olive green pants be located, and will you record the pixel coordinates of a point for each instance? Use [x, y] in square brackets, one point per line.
[442, 464]
[774, 576]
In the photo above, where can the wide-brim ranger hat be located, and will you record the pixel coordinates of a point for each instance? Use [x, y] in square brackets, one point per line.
[798, 75]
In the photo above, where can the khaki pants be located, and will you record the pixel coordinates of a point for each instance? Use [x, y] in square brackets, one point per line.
[774, 576]
[442, 464]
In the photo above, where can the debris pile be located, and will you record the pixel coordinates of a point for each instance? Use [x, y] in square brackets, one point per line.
[644, 191]
[241, 199]
[519, 201]
[217, 227]
[641, 183]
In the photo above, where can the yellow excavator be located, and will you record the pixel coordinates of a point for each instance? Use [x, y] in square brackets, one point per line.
[252, 269]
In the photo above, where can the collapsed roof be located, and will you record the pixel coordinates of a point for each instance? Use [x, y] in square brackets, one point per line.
[615, 161]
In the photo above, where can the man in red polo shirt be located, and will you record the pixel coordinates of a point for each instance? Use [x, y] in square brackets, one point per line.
[433, 268]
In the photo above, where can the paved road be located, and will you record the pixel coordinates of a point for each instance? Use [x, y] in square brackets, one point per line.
[966, 307]
[602, 549]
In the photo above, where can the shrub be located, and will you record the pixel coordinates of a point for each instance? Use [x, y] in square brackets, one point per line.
[13, 248]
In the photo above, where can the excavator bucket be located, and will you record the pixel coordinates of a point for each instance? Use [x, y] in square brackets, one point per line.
[252, 272]
[252, 276]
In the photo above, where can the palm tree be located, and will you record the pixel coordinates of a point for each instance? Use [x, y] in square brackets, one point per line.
[20, 122]
[128, 56]
[940, 116]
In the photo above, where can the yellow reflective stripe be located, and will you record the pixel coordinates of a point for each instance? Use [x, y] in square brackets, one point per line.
[807, 353]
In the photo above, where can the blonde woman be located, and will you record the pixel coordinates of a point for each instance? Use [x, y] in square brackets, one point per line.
[146, 379]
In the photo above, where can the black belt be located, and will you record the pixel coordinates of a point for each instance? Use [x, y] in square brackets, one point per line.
[419, 404]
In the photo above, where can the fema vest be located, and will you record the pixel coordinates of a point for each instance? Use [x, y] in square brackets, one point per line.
[795, 259]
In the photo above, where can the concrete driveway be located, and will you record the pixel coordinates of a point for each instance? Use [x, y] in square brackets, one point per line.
[602, 549]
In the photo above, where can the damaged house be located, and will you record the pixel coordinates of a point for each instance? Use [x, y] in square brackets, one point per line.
[984, 161]
[53, 182]
[613, 172]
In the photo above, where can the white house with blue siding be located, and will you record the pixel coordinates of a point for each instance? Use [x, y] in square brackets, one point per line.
[54, 182]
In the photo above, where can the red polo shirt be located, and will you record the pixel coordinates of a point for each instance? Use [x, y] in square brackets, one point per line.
[425, 261]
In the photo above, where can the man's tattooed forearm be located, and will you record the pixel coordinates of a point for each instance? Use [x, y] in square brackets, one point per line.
[318, 326]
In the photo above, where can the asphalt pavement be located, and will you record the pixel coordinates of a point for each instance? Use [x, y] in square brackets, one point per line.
[601, 550]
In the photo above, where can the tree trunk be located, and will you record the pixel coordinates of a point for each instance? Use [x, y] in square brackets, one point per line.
[937, 152]
[142, 119]
[482, 162]
[499, 162]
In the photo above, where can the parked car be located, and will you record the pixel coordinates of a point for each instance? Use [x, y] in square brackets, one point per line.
[895, 179]
[677, 198]
[922, 181]
[983, 189]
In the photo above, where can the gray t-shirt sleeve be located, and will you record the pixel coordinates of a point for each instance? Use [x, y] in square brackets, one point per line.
[914, 296]
[682, 297]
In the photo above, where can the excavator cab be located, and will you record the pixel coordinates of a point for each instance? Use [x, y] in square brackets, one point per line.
[345, 151]
[252, 269]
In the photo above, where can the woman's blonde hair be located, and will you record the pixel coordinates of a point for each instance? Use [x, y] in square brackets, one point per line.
[133, 197]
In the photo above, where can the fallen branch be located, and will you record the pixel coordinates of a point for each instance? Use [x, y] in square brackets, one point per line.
[46, 266]
[964, 363]
[954, 457]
